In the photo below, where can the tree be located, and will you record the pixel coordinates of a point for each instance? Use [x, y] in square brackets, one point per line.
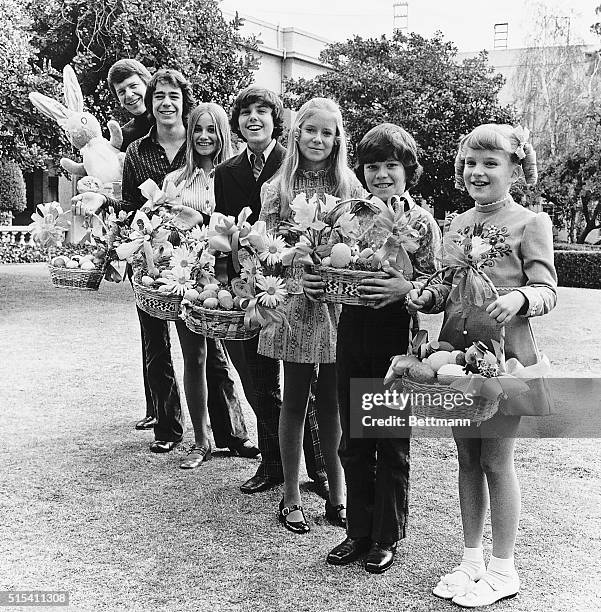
[571, 180]
[26, 138]
[417, 83]
[555, 80]
[189, 35]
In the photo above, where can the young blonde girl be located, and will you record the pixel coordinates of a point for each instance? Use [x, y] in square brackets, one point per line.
[206, 368]
[315, 163]
[520, 262]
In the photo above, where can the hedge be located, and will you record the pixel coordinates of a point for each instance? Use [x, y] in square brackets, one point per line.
[578, 268]
[28, 253]
[12, 187]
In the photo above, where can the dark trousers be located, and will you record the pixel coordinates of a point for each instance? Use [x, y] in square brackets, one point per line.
[160, 378]
[260, 377]
[225, 411]
[377, 469]
[162, 394]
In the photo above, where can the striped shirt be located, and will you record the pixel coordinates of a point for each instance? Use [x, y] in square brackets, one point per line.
[199, 190]
[145, 159]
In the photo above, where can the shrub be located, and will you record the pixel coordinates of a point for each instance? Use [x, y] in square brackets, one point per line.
[12, 187]
[574, 246]
[578, 268]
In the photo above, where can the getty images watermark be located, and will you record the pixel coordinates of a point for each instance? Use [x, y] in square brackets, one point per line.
[400, 401]
[574, 411]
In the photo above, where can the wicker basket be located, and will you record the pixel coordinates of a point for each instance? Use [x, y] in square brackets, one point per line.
[477, 411]
[342, 284]
[218, 324]
[155, 303]
[76, 278]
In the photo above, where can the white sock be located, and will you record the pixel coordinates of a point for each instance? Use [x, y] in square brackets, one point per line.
[472, 561]
[502, 569]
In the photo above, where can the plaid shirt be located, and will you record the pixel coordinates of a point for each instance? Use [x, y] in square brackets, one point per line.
[145, 159]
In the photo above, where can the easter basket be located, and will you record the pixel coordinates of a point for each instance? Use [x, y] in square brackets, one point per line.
[76, 278]
[342, 284]
[218, 324]
[155, 303]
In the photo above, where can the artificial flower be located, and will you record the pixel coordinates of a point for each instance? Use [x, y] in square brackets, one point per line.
[274, 247]
[250, 270]
[273, 290]
[182, 257]
[50, 224]
[304, 211]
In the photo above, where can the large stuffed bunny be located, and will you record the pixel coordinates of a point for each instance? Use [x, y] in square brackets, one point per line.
[101, 158]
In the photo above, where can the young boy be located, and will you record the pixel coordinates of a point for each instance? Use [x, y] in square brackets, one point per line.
[377, 469]
[257, 117]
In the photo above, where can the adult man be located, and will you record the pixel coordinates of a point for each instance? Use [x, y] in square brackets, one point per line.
[257, 117]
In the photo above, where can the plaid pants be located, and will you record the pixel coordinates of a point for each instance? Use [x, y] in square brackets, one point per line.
[266, 402]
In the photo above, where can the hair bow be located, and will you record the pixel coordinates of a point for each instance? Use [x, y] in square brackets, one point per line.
[522, 134]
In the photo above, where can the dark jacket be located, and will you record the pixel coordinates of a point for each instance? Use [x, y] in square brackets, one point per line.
[135, 128]
[235, 185]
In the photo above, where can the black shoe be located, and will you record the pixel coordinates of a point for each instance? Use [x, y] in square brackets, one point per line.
[163, 446]
[244, 448]
[148, 422]
[380, 557]
[257, 483]
[334, 514]
[197, 455]
[348, 551]
[322, 488]
[294, 526]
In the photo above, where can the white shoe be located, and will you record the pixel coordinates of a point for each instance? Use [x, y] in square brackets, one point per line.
[487, 591]
[458, 582]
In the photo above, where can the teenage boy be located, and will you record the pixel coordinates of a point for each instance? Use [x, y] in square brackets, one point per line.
[158, 152]
[257, 117]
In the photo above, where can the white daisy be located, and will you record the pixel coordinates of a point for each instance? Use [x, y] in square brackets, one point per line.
[274, 247]
[182, 257]
[251, 268]
[273, 290]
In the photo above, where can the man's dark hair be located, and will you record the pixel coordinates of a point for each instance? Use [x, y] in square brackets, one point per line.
[174, 78]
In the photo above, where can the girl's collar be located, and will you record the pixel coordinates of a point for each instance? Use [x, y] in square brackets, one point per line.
[314, 173]
[493, 206]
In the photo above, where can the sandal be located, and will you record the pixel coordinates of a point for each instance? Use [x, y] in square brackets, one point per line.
[196, 456]
[334, 514]
[458, 582]
[294, 526]
[487, 591]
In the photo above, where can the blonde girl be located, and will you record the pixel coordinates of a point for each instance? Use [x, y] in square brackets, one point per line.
[520, 264]
[315, 163]
[206, 368]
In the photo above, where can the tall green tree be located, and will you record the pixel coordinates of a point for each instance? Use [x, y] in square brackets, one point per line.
[419, 84]
[26, 138]
[189, 35]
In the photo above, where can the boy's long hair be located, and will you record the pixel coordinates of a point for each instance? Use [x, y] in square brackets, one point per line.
[498, 137]
[222, 131]
[389, 141]
[251, 95]
[284, 179]
[176, 79]
[125, 68]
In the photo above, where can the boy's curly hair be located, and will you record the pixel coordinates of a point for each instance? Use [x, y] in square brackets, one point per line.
[251, 95]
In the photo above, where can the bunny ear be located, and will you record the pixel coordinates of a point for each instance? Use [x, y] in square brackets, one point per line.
[51, 108]
[72, 90]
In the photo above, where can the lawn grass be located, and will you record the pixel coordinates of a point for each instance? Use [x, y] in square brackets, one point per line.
[85, 507]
